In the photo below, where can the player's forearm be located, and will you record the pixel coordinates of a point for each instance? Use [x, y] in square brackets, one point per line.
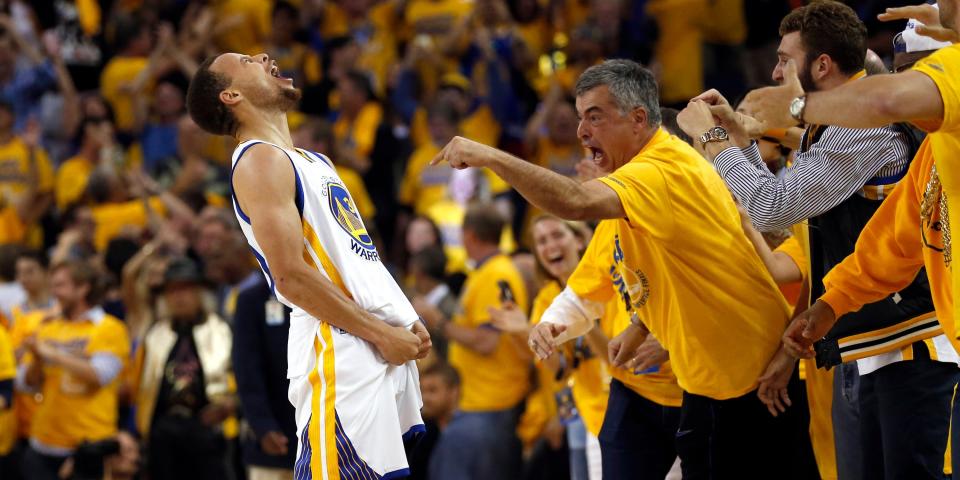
[316, 295]
[550, 191]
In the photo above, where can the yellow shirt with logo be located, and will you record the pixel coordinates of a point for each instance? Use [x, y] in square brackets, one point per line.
[73, 411]
[72, 177]
[943, 67]
[596, 279]
[682, 237]
[119, 72]
[112, 218]
[250, 20]
[8, 371]
[502, 379]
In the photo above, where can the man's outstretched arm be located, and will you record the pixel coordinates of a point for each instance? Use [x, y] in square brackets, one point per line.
[870, 102]
[263, 181]
[550, 191]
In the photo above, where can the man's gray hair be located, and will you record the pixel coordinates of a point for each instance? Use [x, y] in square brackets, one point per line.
[630, 85]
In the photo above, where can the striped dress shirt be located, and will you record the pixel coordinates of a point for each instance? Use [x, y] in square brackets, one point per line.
[841, 163]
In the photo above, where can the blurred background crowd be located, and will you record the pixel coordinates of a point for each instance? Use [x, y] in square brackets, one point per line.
[114, 205]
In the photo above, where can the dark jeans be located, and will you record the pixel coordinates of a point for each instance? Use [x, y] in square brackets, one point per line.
[182, 448]
[739, 439]
[905, 417]
[846, 422]
[37, 466]
[637, 437]
[479, 446]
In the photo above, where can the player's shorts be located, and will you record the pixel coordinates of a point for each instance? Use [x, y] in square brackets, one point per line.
[353, 410]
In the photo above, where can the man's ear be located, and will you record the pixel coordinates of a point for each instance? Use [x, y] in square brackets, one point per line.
[821, 66]
[640, 116]
[231, 97]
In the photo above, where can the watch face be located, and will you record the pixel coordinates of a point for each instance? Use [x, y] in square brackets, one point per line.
[796, 106]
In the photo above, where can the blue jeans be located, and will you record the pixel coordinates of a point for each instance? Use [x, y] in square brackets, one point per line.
[846, 421]
[577, 443]
[478, 446]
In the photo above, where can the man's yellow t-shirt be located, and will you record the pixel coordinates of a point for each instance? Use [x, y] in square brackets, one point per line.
[12, 229]
[121, 71]
[502, 379]
[689, 272]
[8, 371]
[72, 177]
[15, 169]
[112, 218]
[596, 279]
[361, 133]
[72, 411]
[943, 67]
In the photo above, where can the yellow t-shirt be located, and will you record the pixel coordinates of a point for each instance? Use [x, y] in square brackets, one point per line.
[595, 279]
[502, 379]
[424, 185]
[591, 379]
[72, 177]
[943, 67]
[12, 228]
[112, 218]
[15, 169]
[121, 71]
[71, 411]
[362, 132]
[681, 237]
[8, 371]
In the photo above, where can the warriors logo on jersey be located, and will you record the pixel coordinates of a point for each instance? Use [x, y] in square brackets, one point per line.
[632, 285]
[345, 212]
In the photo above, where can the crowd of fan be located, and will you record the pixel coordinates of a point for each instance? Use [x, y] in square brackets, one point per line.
[130, 300]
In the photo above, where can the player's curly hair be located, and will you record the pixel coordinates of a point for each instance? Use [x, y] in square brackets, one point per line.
[832, 28]
[203, 101]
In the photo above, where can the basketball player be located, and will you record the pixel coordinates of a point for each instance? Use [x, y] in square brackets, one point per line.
[353, 334]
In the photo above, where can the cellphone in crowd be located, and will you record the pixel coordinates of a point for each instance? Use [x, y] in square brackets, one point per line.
[506, 294]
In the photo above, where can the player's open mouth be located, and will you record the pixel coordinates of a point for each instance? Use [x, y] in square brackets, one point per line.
[275, 73]
[598, 154]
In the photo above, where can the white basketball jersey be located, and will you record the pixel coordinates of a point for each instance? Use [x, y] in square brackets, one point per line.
[335, 238]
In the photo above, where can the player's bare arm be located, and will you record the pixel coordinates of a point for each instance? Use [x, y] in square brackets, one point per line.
[264, 185]
[552, 192]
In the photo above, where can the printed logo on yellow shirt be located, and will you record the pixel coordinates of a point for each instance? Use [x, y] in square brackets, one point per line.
[632, 285]
[345, 212]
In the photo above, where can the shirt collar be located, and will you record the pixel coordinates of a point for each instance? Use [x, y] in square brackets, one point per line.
[95, 315]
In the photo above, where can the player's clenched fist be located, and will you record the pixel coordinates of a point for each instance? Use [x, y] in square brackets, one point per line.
[399, 345]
